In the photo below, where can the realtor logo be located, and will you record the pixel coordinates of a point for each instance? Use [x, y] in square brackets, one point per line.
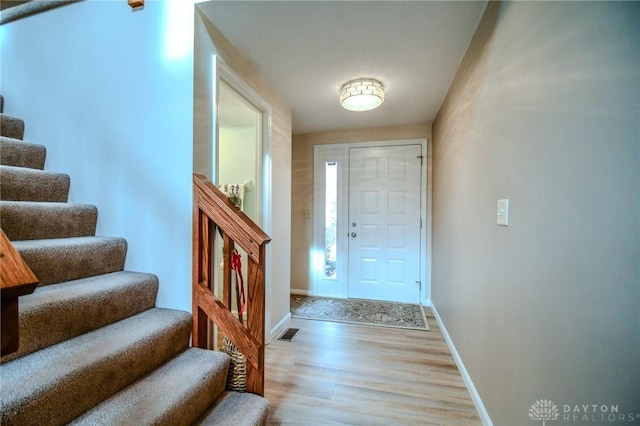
[543, 409]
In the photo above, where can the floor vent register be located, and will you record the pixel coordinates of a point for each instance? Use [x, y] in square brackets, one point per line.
[288, 335]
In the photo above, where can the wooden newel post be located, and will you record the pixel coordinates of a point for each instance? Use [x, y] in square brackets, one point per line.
[256, 319]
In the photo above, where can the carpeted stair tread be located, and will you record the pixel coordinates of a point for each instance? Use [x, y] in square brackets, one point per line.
[81, 306]
[174, 394]
[94, 349]
[235, 408]
[57, 260]
[59, 383]
[33, 220]
[14, 152]
[24, 184]
[11, 127]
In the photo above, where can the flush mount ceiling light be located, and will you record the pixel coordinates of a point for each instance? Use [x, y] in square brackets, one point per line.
[363, 94]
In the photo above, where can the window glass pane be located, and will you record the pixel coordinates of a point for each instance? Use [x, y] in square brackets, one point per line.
[330, 215]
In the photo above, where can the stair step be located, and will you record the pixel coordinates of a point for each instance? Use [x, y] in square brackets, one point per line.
[22, 154]
[94, 349]
[174, 394]
[11, 127]
[57, 260]
[24, 184]
[33, 220]
[81, 306]
[235, 408]
[59, 383]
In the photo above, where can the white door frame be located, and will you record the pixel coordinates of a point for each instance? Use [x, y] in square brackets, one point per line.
[340, 153]
[263, 167]
[338, 286]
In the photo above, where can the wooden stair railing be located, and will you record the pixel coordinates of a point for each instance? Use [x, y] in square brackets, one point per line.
[212, 211]
[16, 279]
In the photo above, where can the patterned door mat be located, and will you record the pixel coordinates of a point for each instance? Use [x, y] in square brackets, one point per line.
[359, 311]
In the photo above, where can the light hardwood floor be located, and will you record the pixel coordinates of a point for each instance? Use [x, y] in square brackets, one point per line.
[334, 373]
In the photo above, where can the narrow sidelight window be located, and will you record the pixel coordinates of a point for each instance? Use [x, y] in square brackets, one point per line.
[331, 219]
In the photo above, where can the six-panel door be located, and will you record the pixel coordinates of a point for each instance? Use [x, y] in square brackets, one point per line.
[384, 222]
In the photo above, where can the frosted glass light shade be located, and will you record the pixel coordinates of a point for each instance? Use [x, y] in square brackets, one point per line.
[363, 94]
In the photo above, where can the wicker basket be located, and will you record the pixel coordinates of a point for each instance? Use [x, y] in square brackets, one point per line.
[237, 376]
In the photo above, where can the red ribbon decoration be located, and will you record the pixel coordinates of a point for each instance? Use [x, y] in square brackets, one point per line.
[236, 265]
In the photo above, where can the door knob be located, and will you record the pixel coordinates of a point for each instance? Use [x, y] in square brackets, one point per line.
[353, 234]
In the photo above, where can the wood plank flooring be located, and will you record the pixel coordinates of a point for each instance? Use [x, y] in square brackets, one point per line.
[333, 373]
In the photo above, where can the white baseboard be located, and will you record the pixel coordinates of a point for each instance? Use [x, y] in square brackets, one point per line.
[301, 292]
[279, 328]
[475, 397]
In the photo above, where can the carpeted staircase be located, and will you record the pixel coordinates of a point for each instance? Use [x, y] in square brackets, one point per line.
[94, 349]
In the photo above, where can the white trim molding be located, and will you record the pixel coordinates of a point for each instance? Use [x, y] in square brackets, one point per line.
[279, 328]
[475, 397]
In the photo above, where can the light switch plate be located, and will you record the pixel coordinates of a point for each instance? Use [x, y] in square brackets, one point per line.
[503, 212]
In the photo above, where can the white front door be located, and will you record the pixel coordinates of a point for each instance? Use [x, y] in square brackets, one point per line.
[384, 222]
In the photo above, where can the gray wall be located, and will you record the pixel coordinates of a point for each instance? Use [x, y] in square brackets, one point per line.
[545, 111]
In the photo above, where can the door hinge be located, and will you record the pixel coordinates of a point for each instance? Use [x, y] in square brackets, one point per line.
[419, 285]
[421, 157]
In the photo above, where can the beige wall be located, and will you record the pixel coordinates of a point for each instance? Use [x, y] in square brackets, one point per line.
[209, 41]
[302, 188]
[544, 111]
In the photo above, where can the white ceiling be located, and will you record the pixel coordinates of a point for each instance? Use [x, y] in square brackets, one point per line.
[308, 49]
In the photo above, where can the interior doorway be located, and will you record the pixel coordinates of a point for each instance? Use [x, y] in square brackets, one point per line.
[239, 150]
[240, 160]
[369, 242]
